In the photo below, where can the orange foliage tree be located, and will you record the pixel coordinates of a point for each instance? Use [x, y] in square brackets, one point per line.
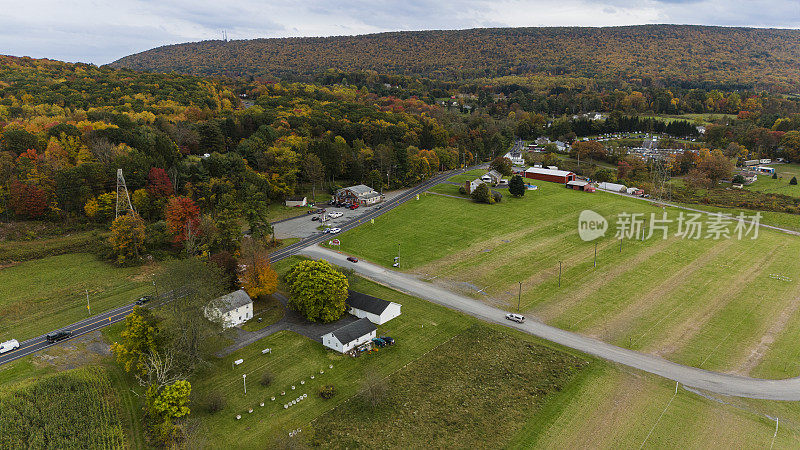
[183, 219]
[258, 277]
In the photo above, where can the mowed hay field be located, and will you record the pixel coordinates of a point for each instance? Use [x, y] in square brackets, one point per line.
[726, 305]
[781, 185]
[41, 295]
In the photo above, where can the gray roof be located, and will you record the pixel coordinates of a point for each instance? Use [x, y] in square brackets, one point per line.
[494, 173]
[358, 190]
[234, 300]
[374, 194]
[353, 331]
[577, 183]
[366, 302]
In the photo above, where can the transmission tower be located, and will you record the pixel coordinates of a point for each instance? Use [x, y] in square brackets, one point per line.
[124, 204]
[660, 177]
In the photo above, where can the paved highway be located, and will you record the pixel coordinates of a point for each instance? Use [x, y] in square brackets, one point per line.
[721, 383]
[115, 315]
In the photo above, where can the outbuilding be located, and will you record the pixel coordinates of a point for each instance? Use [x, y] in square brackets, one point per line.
[359, 195]
[377, 310]
[350, 336]
[614, 187]
[492, 177]
[231, 309]
[580, 185]
[554, 176]
[634, 191]
[470, 186]
[296, 201]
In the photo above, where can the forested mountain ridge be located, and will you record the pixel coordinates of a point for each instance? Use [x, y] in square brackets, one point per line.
[686, 55]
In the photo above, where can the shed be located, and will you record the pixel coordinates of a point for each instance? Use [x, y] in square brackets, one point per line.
[555, 176]
[377, 310]
[492, 177]
[580, 185]
[614, 187]
[350, 336]
[296, 201]
[233, 309]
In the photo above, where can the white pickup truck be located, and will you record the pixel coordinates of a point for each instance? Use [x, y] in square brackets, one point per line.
[7, 346]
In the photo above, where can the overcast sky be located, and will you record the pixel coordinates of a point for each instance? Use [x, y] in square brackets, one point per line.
[102, 31]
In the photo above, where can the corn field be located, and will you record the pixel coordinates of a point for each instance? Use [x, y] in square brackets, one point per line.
[69, 410]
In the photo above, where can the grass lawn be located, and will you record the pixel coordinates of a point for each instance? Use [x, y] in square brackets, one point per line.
[785, 172]
[279, 211]
[268, 309]
[728, 305]
[45, 294]
[23, 250]
[467, 176]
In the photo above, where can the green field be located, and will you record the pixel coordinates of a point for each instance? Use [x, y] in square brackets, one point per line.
[785, 172]
[45, 294]
[74, 409]
[716, 304]
[467, 176]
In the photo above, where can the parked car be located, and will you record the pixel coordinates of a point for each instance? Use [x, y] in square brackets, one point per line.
[379, 342]
[515, 317]
[352, 259]
[335, 215]
[315, 218]
[143, 299]
[58, 336]
[388, 340]
[354, 206]
[334, 230]
[7, 346]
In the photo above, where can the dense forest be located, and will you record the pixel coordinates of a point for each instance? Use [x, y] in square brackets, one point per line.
[685, 56]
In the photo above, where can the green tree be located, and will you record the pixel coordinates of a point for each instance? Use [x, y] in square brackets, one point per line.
[516, 186]
[127, 237]
[502, 165]
[318, 291]
[793, 181]
[482, 194]
[171, 401]
[139, 338]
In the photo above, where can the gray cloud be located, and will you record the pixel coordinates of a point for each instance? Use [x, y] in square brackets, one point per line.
[100, 32]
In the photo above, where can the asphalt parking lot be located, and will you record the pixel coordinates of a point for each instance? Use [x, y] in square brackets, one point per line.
[303, 227]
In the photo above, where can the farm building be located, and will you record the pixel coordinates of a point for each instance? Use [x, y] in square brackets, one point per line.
[613, 187]
[377, 310]
[579, 185]
[752, 162]
[296, 201]
[350, 336]
[232, 309]
[492, 177]
[555, 176]
[470, 186]
[360, 195]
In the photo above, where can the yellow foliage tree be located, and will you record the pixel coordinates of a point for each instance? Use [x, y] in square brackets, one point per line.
[258, 278]
[127, 237]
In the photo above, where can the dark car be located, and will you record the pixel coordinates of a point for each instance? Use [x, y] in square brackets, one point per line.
[388, 340]
[143, 299]
[352, 259]
[58, 336]
[315, 218]
[379, 342]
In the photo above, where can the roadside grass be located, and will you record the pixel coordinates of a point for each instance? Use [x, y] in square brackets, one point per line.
[268, 309]
[701, 302]
[45, 294]
[295, 358]
[773, 218]
[480, 402]
[279, 211]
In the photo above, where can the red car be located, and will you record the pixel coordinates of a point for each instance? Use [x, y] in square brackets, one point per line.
[352, 259]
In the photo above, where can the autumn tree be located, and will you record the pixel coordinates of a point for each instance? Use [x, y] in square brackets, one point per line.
[502, 165]
[127, 237]
[318, 291]
[716, 166]
[140, 337]
[258, 277]
[158, 183]
[26, 200]
[516, 186]
[183, 219]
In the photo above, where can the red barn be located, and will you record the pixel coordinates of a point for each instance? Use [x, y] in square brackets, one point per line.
[579, 185]
[552, 175]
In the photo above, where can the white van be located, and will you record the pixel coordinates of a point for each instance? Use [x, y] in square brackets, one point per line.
[7, 346]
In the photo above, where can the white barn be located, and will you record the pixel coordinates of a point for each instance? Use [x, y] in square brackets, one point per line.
[233, 309]
[612, 187]
[377, 310]
[350, 336]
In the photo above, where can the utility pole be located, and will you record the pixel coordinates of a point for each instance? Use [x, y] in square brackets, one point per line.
[155, 286]
[559, 274]
[519, 296]
[244, 380]
[87, 302]
[595, 255]
[398, 255]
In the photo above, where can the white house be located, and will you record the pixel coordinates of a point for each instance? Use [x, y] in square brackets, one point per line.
[612, 187]
[360, 195]
[296, 201]
[470, 186]
[515, 157]
[350, 336]
[377, 310]
[492, 177]
[233, 309]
